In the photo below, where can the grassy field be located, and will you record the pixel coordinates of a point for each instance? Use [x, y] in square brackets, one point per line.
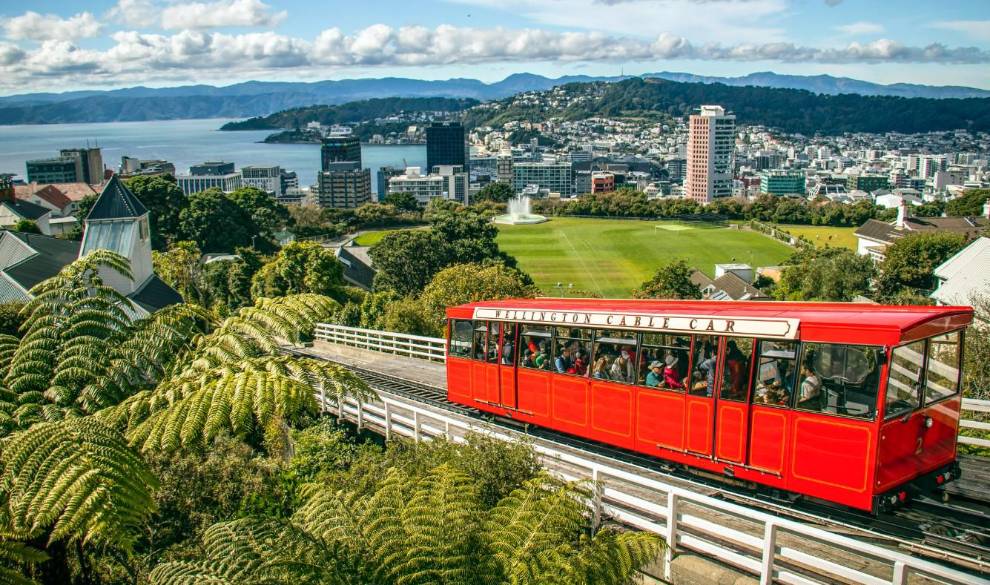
[612, 257]
[372, 238]
[825, 235]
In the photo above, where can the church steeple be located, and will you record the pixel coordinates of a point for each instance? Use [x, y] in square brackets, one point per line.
[118, 222]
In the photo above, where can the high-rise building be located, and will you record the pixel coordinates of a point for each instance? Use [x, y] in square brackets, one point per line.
[782, 183]
[265, 178]
[340, 148]
[384, 174]
[212, 168]
[450, 182]
[344, 185]
[89, 164]
[602, 182]
[867, 182]
[445, 145]
[133, 167]
[930, 164]
[52, 170]
[711, 143]
[503, 166]
[555, 176]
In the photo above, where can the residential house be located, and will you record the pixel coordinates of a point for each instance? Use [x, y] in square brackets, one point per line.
[965, 276]
[874, 236]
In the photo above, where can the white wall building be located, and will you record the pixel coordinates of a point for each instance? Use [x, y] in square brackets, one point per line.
[265, 178]
[195, 183]
[710, 147]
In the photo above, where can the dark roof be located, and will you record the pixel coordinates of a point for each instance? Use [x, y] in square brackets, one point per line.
[26, 209]
[53, 255]
[357, 268]
[700, 279]
[886, 232]
[737, 288]
[155, 294]
[115, 202]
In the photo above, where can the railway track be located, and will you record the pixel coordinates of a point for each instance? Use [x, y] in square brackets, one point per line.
[957, 533]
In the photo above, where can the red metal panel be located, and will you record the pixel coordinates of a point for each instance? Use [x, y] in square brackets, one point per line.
[832, 458]
[768, 438]
[908, 448]
[492, 393]
[508, 387]
[569, 399]
[730, 431]
[459, 380]
[612, 410]
[534, 392]
[479, 384]
[659, 420]
[699, 425]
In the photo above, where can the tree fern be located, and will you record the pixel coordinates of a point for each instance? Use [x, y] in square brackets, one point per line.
[14, 557]
[76, 479]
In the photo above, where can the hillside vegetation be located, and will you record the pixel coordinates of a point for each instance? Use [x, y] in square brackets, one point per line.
[350, 113]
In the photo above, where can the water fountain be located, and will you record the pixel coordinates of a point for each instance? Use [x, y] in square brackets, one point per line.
[519, 213]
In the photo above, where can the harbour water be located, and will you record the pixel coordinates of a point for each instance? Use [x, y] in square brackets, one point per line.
[184, 142]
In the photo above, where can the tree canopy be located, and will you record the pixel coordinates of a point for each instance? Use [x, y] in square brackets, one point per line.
[300, 267]
[465, 283]
[165, 201]
[671, 281]
[825, 274]
[970, 203]
[498, 192]
[907, 270]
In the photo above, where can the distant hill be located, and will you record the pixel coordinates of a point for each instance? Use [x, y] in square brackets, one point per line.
[261, 98]
[829, 85]
[349, 113]
[789, 110]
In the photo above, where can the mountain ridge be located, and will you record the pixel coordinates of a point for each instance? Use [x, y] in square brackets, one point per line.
[261, 98]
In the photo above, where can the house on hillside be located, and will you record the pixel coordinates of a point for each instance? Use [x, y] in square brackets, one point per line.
[874, 236]
[117, 222]
[733, 282]
[965, 275]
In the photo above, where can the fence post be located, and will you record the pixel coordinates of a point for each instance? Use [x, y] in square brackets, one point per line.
[388, 421]
[769, 552]
[900, 573]
[670, 534]
[596, 499]
[360, 415]
[416, 424]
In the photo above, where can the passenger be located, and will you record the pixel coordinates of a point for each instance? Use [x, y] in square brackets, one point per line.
[563, 361]
[810, 395]
[707, 368]
[698, 383]
[671, 376]
[629, 354]
[580, 365]
[527, 361]
[600, 369]
[735, 365]
[655, 375]
[532, 346]
[620, 369]
[508, 352]
[540, 360]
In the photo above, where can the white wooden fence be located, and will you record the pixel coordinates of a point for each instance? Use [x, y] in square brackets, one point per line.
[432, 348]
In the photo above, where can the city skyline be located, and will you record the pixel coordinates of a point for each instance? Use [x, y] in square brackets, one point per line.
[102, 44]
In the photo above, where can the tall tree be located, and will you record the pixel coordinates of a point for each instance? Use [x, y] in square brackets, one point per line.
[465, 283]
[165, 201]
[402, 201]
[406, 260]
[300, 267]
[498, 192]
[671, 281]
[909, 264]
[215, 222]
[970, 203]
[267, 215]
[180, 268]
[825, 274]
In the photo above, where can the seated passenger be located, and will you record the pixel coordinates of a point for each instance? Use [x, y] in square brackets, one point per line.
[698, 383]
[527, 359]
[810, 393]
[671, 373]
[735, 364]
[655, 376]
[563, 361]
[620, 369]
[707, 369]
[600, 369]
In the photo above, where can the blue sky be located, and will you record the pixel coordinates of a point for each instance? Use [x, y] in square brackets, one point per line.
[55, 45]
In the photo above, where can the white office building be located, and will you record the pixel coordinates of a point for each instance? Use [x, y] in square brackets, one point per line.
[449, 182]
[227, 183]
[710, 147]
[554, 176]
[267, 179]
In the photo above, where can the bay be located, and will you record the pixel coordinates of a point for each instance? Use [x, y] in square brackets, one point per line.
[183, 143]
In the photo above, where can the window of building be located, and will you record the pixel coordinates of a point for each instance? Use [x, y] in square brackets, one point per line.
[704, 365]
[572, 351]
[944, 355]
[736, 368]
[904, 383]
[534, 346]
[775, 372]
[615, 356]
[460, 338]
[839, 379]
[665, 361]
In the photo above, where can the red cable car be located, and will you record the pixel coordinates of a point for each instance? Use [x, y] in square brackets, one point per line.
[849, 403]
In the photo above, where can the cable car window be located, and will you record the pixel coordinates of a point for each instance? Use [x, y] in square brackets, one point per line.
[460, 338]
[904, 382]
[774, 376]
[735, 371]
[615, 356]
[572, 351]
[480, 338]
[704, 365]
[508, 344]
[534, 346]
[944, 353]
[839, 379]
[664, 361]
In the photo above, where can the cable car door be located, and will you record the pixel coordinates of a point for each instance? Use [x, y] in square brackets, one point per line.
[507, 365]
[732, 400]
[699, 402]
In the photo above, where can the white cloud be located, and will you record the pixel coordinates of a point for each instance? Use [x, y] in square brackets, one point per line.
[136, 13]
[41, 27]
[190, 54]
[222, 13]
[976, 29]
[860, 28]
